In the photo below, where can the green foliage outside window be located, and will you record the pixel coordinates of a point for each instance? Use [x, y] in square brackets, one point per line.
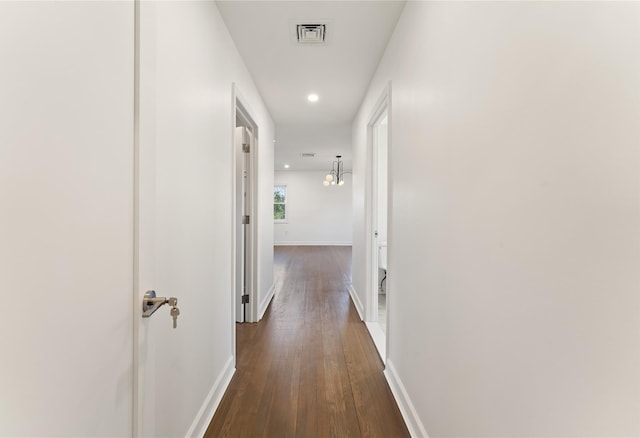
[278, 212]
[280, 203]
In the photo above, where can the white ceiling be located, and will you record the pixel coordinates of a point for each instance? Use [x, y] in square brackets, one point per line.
[325, 140]
[286, 72]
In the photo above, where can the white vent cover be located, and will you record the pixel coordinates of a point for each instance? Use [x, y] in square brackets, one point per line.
[308, 155]
[311, 33]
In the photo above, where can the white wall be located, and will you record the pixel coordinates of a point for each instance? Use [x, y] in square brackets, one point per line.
[66, 218]
[316, 215]
[67, 223]
[189, 65]
[515, 217]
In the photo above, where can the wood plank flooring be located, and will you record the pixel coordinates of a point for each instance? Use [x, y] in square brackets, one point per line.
[309, 368]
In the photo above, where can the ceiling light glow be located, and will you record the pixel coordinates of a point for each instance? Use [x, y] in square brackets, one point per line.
[286, 166]
[312, 97]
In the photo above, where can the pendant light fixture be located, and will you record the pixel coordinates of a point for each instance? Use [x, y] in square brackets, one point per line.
[335, 177]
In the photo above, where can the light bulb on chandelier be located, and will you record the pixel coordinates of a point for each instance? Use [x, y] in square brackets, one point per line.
[336, 174]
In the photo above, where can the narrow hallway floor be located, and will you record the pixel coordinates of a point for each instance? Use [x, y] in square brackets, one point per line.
[309, 368]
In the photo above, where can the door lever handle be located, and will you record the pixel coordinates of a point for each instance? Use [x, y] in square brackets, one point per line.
[151, 303]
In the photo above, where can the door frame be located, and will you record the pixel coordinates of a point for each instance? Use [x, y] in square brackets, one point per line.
[241, 112]
[383, 104]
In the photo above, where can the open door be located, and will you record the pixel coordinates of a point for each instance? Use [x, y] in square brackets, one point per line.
[182, 239]
[245, 229]
[243, 146]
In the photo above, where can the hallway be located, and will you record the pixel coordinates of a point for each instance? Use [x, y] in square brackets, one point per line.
[309, 368]
[512, 218]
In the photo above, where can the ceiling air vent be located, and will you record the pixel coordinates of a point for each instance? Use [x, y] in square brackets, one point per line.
[311, 33]
[307, 154]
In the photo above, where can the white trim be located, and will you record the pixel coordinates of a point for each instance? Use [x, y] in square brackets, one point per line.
[408, 411]
[205, 414]
[233, 231]
[379, 338]
[265, 302]
[307, 243]
[137, 361]
[356, 301]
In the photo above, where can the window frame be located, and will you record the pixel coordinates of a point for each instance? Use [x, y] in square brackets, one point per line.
[286, 196]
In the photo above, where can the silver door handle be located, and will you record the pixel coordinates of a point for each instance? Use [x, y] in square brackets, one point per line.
[151, 303]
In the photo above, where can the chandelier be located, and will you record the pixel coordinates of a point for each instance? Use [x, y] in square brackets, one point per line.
[336, 176]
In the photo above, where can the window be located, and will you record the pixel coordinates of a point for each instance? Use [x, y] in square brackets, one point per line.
[280, 203]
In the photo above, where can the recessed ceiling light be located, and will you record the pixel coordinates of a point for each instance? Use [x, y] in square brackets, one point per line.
[312, 97]
[286, 166]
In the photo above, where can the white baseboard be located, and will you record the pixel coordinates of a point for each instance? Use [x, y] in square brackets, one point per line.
[332, 243]
[205, 415]
[408, 411]
[356, 301]
[379, 338]
[265, 302]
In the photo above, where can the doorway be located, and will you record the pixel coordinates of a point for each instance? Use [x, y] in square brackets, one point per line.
[245, 140]
[378, 214]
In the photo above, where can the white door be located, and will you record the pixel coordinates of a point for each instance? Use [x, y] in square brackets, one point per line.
[66, 218]
[243, 144]
[183, 228]
[380, 185]
[162, 252]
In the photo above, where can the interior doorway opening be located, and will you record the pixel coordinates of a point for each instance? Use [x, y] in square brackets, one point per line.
[244, 225]
[377, 310]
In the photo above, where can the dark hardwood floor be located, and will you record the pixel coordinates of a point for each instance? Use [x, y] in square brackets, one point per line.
[309, 368]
